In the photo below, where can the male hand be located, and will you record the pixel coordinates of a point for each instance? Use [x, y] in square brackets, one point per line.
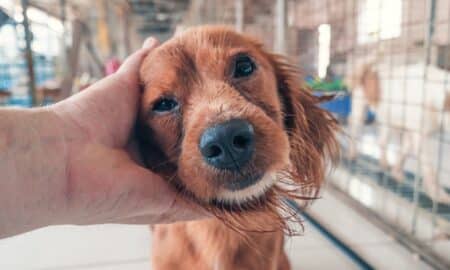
[77, 166]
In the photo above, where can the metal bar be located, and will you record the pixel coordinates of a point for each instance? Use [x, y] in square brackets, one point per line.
[404, 103]
[29, 54]
[353, 16]
[64, 52]
[428, 40]
[280, 27]
[389, 97]
[73, 57]
[127, 30]
[440, 160]
[239, 15]
[62, 5]
[338, 243]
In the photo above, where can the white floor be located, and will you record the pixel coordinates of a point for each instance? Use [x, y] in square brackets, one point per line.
[127, 247]
[376, 247]
[70, 247]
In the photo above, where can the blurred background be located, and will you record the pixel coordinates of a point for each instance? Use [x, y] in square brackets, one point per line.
[385, 206]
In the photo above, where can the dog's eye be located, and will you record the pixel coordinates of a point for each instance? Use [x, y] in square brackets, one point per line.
[165, 105]
[243, 67]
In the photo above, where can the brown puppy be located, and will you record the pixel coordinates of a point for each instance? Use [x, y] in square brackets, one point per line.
[233, 129]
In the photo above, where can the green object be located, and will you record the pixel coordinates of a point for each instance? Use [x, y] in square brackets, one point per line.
[327, 85]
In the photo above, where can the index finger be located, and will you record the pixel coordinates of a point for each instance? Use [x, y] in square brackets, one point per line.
[131, 65]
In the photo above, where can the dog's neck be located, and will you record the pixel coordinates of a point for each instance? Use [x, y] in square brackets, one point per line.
[211, 242]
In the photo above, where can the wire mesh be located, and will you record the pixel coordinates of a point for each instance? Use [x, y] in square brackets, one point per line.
[398, 164]
[390, 62]
[394, 59]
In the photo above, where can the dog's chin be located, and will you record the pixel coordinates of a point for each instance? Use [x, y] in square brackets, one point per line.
[238, 194]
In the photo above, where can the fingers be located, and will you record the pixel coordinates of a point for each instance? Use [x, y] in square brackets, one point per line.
[150, 43]
[154, 201]
[132, 63]
[155, 220]
[176, 214]
[108, 108]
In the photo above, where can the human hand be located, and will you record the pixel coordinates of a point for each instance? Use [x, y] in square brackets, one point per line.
[80, 166]
[104, 182]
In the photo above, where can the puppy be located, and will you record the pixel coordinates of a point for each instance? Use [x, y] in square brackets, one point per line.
[233, 129]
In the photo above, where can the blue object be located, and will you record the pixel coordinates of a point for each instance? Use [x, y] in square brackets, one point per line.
[4, 18]
[340, 106]
[370, 117]
[20, 102]
[11, 72]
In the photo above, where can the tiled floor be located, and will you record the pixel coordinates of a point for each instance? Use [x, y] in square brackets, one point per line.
[127, 247]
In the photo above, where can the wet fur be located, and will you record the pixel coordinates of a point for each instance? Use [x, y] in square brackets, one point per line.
[294, 139]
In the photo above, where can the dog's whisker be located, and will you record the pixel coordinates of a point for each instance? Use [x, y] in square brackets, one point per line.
[291, 137]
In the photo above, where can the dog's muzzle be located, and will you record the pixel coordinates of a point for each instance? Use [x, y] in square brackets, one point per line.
[229, 145]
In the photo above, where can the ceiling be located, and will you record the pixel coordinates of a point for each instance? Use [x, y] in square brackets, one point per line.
[158, 16]
[149, 16]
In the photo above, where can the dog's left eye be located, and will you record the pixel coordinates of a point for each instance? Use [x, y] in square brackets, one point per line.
[165, 105]
[243, 67]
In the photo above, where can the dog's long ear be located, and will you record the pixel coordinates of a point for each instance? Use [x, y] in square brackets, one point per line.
[311, 129]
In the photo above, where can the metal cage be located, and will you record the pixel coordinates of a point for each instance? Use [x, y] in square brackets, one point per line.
[394, 56]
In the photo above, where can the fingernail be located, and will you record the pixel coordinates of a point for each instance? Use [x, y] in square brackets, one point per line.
[150, 42]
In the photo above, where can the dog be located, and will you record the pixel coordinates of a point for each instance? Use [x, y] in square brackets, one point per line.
[233, 129]
[407, 105]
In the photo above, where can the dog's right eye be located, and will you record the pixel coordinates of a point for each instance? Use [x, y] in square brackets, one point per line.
[244, 67]
[165, 105]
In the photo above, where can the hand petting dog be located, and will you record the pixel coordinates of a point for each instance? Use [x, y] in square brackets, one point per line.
[71, 163]
[232, 127]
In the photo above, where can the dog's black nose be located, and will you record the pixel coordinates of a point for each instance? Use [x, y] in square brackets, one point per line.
[228, 145]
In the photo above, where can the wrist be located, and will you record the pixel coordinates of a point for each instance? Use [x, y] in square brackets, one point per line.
[32, 169]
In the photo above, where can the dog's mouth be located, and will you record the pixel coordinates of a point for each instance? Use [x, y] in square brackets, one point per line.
[245, 189]
[242, 193]
[242, 182]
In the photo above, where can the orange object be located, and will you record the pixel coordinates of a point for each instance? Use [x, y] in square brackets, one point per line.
[233, 129]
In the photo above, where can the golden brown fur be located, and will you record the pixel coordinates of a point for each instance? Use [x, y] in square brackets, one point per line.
[293, 138]
[368, 79]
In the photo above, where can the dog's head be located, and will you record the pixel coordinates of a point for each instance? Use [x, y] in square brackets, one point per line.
[230, 125]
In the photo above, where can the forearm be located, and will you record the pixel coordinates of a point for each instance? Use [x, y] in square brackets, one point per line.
[32, 168]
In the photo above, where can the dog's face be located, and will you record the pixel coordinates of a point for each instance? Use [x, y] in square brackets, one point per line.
[227, 123]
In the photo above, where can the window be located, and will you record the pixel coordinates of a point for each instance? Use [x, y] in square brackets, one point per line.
[6, 4]
[379, 20]
[324, 49]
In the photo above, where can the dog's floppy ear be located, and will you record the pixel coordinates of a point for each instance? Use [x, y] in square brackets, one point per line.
[311, 129]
